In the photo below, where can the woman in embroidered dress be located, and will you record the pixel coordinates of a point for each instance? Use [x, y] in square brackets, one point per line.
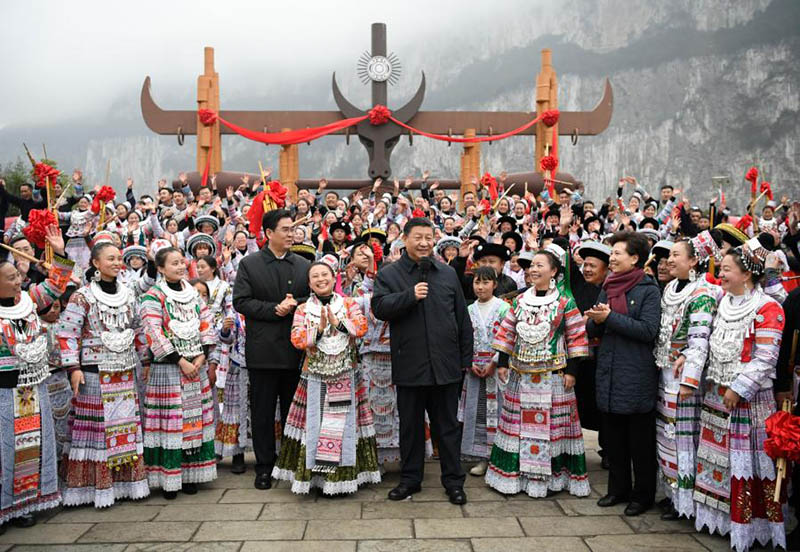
[58, 387]
[538, 448]
[28, 471]
[329, 439]
[687, 308]
[178, 407]
[220, 303]
[479, 405]
[81, 224]
[97, 336]
[735, 479]
[232, 434]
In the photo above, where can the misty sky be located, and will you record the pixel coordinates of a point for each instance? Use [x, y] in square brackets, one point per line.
[93, 52]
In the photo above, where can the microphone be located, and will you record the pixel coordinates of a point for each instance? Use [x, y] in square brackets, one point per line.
[424, 266]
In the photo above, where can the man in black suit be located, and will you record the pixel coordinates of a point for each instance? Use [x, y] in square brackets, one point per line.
[269, 286]
[431, 343]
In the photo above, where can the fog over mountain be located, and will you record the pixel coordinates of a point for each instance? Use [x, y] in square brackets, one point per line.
[701, 87]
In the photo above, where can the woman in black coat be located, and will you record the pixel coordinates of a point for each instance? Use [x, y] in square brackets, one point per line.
[627, 318]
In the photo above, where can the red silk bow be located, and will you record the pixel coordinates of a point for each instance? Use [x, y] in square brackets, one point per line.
[783, 432]
[744, 222]
[491, 184]
[38, 221]
[379, 115]
[766, 187]
[752, 177]
[104, 195]
[42, 172]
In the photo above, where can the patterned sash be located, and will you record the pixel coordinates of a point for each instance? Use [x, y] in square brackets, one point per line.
[536, 401]
[192, 401]
[27, 444]
[120, 416]
[338, 402]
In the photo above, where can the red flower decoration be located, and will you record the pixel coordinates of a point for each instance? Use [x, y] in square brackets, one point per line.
[106, 193]
[379, 115]
[717, 475]
[377, 251]
[744, 222]
[550, 117]
[485, 207]
[38, 221]
[766, 187]
[277, 193]
[418, 213]
[783, 436]
[752, 177]
[549, 163]
[43, 171]
[207, 117]
[534, 449]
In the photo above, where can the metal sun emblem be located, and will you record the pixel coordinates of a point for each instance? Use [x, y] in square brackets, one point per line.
[378, 68]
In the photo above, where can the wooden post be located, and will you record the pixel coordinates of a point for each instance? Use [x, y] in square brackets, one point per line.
[470, 163]
[289, 167]
[208, 98]
[546, 98]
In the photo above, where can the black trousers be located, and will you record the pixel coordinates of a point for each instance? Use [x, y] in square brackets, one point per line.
[441, 402]
[631, 439]
[266, 387]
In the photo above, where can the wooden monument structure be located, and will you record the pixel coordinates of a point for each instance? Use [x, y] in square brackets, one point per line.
[379, 68]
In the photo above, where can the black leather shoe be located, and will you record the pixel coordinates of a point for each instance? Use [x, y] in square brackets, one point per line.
[169, 495]
[457, 496]
[611, 500]
[402, 492]
[23, 522]
[263, 481]
[189, 488]
[670, 515]
[604, 463]
[664, 504]
[635, 509]
[238, 466]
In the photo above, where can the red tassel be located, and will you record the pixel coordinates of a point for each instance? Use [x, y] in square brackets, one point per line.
[766, 187]
[752, 177]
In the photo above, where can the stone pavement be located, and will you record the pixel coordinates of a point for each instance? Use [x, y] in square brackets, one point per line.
[230, 515]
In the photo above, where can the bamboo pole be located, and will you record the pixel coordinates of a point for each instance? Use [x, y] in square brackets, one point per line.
[48, 249]
[24, 255]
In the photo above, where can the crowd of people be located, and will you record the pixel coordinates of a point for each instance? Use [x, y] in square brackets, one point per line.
[157, 336]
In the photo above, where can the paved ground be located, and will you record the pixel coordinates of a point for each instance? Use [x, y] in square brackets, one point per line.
[230, 515]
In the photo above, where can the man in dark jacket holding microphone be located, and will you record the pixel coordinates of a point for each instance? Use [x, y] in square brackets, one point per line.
[431, 343]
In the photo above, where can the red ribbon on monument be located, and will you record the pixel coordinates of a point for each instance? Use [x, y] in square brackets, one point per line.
[378, 115]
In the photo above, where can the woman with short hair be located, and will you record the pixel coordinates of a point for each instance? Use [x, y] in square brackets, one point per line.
[627, 319]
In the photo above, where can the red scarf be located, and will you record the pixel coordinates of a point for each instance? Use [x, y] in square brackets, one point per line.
[617, 285]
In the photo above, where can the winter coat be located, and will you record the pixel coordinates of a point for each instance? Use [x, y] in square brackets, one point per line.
[431, 340]
[262, 281]
[627, 378]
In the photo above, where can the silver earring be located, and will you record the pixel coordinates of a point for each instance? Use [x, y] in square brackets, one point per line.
[692, 275]
[552, 283]
[96, 275]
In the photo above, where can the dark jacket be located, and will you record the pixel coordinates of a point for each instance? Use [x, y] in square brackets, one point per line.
[431, 340]
[627, 377]
[785, 366]
[262, 281]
